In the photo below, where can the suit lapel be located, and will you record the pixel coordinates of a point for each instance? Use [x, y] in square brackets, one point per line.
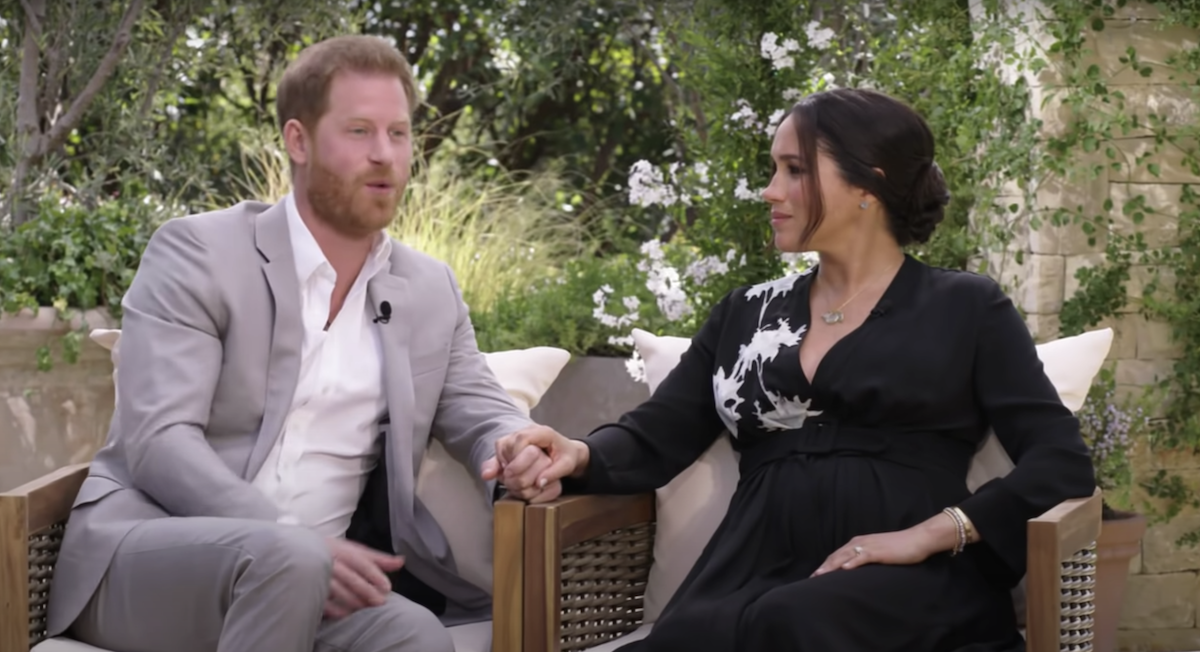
[273, 240]
[397, 380]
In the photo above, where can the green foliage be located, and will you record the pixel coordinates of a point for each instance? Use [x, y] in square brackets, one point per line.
[74, 256]
[501, 235]
[558, 311]
[740, 67]
[513, 86]
[1098, 119]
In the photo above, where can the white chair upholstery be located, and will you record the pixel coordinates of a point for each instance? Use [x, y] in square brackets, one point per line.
[476, 637]
[451, 492]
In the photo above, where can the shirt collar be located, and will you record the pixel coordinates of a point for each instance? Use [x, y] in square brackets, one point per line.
[309, 257]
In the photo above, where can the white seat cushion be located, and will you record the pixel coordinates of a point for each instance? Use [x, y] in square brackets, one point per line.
[60, 644]
[636, 635]
[691, 506]
[475, 637]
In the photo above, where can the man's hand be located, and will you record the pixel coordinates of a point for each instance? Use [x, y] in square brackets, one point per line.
[531, 463]
[359, 580]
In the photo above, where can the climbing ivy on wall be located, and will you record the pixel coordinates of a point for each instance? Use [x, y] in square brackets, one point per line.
[1098, 115]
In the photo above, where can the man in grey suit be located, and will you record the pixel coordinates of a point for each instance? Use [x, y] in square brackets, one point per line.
[277, 360]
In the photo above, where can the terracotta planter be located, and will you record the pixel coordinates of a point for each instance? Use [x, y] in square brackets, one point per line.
[1120, 540]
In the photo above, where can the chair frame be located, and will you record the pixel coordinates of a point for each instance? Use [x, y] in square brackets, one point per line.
[587, 559]
[32, 521]
[568, 575]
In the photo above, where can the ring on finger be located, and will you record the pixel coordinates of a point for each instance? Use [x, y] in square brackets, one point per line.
[858, 550]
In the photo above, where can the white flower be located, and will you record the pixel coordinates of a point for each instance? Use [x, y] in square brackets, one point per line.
[745, 116]
[779, 55]
[818, 37]
[793, 95]
[773, 121]
[699, 270]
[636, 367]
[652, 249]
[647, 188]
[663, 282]
[743, 191]
[631, 303]
[799, 263]
[600, 311]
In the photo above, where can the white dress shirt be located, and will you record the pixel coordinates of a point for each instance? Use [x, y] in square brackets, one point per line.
[318, 467]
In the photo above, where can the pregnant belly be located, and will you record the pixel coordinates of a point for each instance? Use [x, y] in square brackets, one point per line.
[817, 503]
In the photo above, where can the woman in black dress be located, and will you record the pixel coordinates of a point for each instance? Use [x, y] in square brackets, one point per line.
[852, 527]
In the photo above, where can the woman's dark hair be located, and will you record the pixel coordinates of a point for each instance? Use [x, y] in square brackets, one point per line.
[862, 130]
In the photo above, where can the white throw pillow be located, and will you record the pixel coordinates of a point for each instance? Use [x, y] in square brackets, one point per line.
[453, 494]
[690, 508]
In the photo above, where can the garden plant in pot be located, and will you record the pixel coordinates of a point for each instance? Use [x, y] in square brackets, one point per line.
[1110, 426]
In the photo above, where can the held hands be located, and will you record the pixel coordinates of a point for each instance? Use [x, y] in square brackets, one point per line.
[910, 546]
[359, 578]
[531, 462]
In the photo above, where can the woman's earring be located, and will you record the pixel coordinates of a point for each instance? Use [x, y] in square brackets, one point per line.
[863, 205]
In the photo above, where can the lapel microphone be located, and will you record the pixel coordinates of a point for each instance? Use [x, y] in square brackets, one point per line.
[385, 313]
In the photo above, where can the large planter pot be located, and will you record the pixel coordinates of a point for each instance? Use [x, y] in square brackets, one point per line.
[49, 419]
[590, 392]
[1120, 540]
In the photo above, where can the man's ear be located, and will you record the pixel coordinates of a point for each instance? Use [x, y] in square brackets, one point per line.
[297, 142]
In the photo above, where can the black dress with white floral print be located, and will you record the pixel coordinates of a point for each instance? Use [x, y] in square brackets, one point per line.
[878, 440]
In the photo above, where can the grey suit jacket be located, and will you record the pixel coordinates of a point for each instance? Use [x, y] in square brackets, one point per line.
[210, 358]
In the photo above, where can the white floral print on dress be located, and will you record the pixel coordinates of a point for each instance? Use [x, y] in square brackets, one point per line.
[785, 413]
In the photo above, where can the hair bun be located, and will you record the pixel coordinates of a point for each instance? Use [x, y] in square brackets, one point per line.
[929, 200]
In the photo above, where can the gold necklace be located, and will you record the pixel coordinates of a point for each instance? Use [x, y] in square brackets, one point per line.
[835, 316]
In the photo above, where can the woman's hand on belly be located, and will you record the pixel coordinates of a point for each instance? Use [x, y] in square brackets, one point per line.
[909, 546]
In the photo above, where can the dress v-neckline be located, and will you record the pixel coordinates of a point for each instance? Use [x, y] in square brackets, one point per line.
[805, 308]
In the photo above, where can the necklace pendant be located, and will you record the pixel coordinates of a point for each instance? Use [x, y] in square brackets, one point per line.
[833, 317]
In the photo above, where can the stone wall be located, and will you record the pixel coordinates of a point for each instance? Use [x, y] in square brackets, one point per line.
[1039, 267]
[49, 419]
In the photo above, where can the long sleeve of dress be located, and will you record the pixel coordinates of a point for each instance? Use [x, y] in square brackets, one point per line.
[1039, 433]
[654, 442]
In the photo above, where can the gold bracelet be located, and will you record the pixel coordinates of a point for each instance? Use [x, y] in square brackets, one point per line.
[972, 537]
[960, 529]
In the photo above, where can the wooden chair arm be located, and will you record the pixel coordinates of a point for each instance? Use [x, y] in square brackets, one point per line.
[1061, 575]
[587, 559]
[32, 519]
[508, 574]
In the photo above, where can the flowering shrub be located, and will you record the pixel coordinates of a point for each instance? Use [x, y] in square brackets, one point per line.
[1110, 428]
[735, 74]
[671, 308]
